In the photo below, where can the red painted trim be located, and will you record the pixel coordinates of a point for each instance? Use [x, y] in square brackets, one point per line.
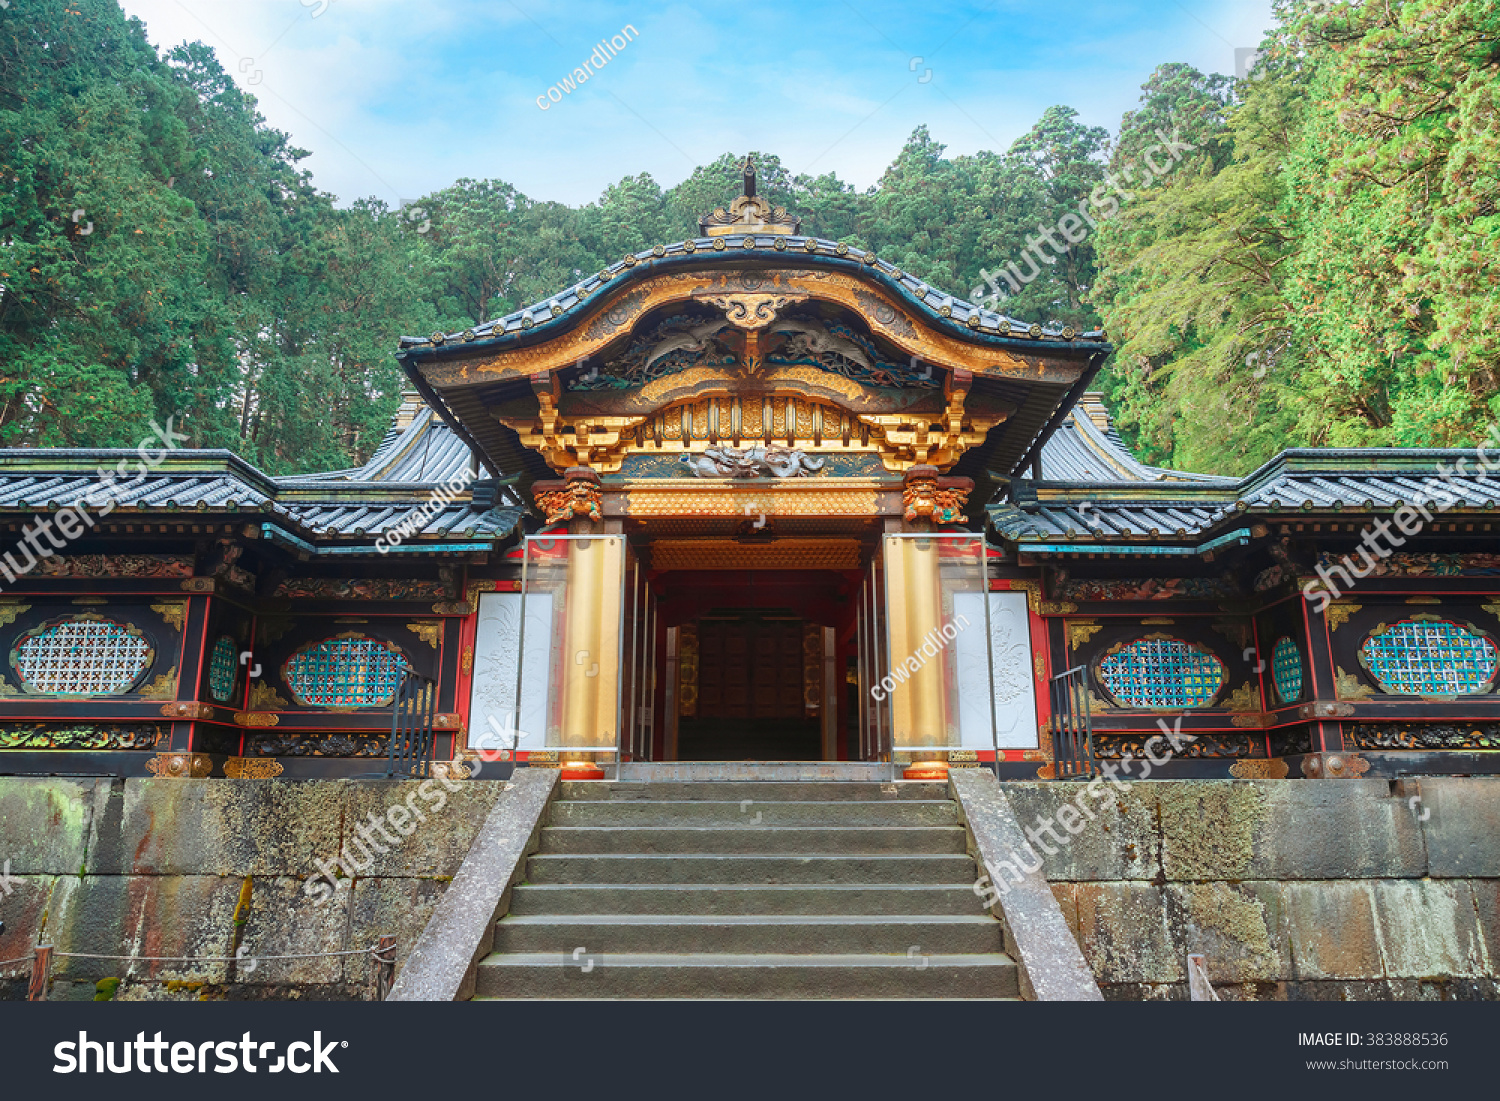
[202, 656]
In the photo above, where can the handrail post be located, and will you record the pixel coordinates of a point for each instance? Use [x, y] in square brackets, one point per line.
[382, 968]
[41, 974]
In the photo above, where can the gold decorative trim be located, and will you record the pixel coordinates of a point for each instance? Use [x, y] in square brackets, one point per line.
[265, 698]
[451, 770]
[256, 718]
[186, 710]
[1346, 686]
[253, 768]
[790, 497]
[174, 613]
[1060, 607]
[1243, 698]
[731, 554]
[577, 497]
[9, 612]
[427, 630]
[1423, 600]
[163, 687]
[812, 669]
[1493, 609]
[180, 766]
[926, 496]
[1158, 621]
[1256, 720]
[1081, 631]
[482, 585]
[623, 307]
[542, 757]
[466, 661]
[198, 585]
[1236, 631]
[1325, 710]
[687, 670]
[1039, 661]
[1033, 591]
[456, 608]
[1259, 768]
[1334, 766]
[88, 600]
[1338, 613]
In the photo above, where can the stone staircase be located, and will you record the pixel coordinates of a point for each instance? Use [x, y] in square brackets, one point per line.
[749, 890]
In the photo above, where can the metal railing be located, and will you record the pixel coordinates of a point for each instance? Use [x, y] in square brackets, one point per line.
[1072, 725]
[410, 753]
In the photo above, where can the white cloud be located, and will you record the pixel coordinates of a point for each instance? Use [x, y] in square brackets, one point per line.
[396, 100]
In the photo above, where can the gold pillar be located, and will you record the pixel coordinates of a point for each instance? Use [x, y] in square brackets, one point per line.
[589, 658]
[928, 715]
[921, 717]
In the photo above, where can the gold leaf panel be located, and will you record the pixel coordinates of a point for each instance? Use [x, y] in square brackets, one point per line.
[174, 613]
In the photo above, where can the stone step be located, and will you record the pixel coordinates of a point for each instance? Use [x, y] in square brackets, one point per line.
[753, 839]
[713, 975]
[951, 869]
[734, 791]
[750, 812]
[750, 934]
[744, 898]
[718, 771]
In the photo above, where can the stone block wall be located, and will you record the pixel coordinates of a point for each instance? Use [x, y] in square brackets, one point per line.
[219, 868]
[1293, 889]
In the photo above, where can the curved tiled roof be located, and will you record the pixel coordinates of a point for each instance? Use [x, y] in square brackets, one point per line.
[1071, 516]
[419, 447]
[944, 310]
[336, 506]
[1086, 448]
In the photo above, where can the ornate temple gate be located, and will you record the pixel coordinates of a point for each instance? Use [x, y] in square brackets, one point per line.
[755, 428]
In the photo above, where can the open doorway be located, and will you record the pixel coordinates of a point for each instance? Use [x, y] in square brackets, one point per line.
[752, 658]
[753, 700]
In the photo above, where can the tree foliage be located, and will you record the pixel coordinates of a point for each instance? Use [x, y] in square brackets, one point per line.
[1302, 257]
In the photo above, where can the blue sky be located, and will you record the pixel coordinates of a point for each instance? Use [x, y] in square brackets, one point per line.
[398, 99]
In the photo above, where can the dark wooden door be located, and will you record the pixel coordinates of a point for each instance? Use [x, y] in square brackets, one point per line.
[749, 669]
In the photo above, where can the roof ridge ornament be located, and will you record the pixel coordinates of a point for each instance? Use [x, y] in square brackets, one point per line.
[749, 213]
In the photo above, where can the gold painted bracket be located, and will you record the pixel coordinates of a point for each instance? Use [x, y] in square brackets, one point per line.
[253, 768]
[180, 766]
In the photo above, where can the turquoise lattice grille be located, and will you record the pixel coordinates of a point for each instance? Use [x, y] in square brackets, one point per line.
[1286, 670]
[351, 671]
[82, 656]
[222, 667]
[1161, 672]
[1429, 658]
